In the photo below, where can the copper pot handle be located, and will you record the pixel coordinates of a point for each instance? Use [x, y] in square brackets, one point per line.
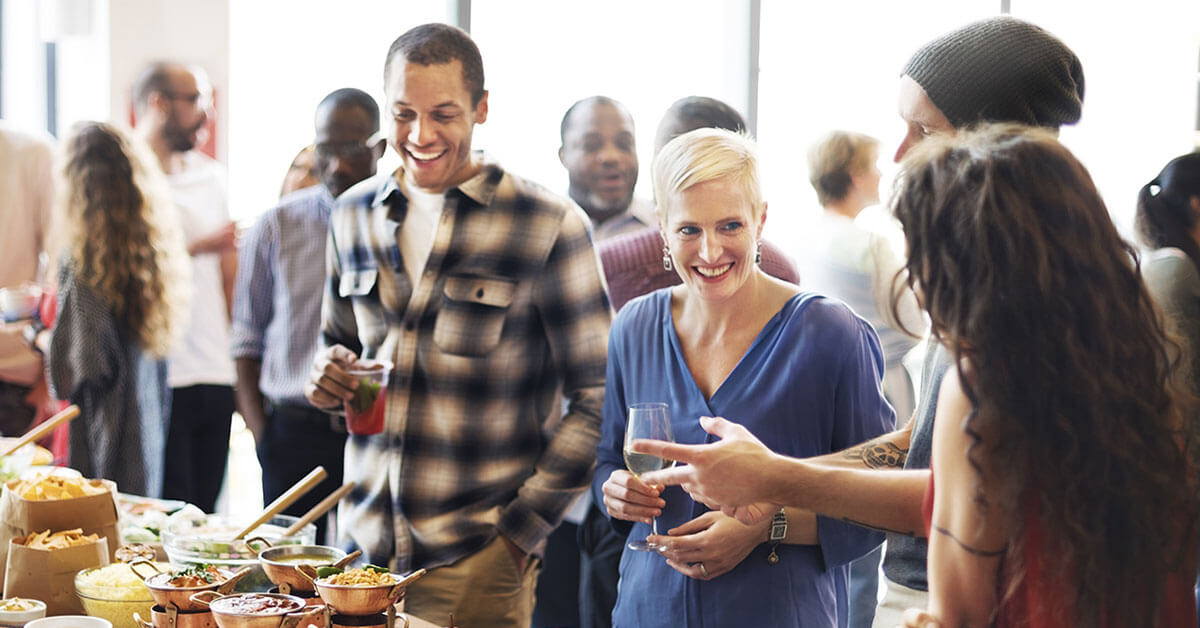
[306, 571]
[199, 597]
[256, 539]
[292, 620]
[404, 582]
[133, 566]
[226, 587]
[347, 559]
[141, 622]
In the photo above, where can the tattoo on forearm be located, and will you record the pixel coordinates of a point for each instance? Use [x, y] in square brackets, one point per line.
[968, 548]
[878, 455]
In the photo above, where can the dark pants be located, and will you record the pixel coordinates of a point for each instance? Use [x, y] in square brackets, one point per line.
[198, 444]
[557, 604]
[600, 548]
[297, 440]
[16, 414]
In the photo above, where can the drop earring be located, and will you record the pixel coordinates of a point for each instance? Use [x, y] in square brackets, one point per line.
[667, 265]
[758, 252]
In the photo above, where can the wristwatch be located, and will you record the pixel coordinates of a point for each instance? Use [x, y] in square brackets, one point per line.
[777, 534]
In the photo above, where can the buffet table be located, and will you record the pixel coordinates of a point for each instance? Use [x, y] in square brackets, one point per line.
[173, 541]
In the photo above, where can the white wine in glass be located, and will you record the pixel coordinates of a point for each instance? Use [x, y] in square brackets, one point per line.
[647, 420]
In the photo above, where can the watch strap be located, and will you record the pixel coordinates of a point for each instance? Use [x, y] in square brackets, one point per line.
[777, 533]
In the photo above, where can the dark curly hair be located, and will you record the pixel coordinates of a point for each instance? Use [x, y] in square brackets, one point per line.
[1070, 379]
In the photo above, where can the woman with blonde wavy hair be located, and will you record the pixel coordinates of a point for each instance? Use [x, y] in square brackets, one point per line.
[122, 271]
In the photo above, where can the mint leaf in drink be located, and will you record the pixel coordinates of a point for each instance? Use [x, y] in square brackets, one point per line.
[365, 395]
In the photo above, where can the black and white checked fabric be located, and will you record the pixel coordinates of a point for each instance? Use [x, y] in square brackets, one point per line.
[509, 317]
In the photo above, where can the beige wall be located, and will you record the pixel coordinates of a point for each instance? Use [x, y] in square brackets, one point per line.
[189, 31]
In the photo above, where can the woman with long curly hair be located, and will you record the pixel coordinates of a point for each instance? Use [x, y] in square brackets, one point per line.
[1064, 495]
[122, 267]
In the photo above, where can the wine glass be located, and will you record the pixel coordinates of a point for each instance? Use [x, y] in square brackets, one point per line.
[647, 420]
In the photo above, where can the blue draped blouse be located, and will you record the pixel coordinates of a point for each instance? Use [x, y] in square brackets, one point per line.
[808, 385]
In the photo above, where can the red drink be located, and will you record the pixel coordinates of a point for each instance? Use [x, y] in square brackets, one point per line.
[368, 420]
[365, 411]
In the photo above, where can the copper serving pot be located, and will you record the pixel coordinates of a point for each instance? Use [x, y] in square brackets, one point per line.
[349, 599]
[281, 563]
[164, 617]
[165, 595]
[289, 612]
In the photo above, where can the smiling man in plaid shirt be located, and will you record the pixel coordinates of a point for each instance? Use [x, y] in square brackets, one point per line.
[485, 292]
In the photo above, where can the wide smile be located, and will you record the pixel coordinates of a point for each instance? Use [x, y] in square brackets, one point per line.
[423, 157]
[713, 272]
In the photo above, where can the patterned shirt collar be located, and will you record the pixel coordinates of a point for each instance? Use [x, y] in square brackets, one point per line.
[480, 188]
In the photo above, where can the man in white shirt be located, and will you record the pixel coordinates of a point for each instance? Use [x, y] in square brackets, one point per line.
[170, 102]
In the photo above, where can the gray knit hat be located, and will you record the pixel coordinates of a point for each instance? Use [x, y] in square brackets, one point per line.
[1000, 70]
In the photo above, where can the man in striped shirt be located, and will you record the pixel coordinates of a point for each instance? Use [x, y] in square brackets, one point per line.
[485, 292]
[277, 307]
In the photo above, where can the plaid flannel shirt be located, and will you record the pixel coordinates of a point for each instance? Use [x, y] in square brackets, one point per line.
[509, 317]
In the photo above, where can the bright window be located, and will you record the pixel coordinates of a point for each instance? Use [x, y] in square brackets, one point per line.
[1139, 109]
[285, 56]
[541, 56]
[828, 66]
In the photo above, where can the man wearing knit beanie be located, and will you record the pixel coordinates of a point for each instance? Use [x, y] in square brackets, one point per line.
[999, 69]
[996, 70]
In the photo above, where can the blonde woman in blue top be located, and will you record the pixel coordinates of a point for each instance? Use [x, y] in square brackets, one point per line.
[803, 371]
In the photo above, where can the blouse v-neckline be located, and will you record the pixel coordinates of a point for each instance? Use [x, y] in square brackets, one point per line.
[734, 374]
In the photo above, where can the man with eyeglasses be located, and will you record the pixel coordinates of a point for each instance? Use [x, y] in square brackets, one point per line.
[277, 307]
[170, 110]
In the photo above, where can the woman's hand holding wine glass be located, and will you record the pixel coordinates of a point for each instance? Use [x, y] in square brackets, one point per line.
[625, 495]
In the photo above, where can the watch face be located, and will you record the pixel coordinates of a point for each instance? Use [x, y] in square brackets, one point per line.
[778, 526]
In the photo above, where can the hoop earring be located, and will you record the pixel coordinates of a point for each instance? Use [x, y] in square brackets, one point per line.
[667, 265]
[758, 252]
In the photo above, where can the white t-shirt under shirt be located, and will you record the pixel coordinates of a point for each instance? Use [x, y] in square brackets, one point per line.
[201, 356]
[420, 227]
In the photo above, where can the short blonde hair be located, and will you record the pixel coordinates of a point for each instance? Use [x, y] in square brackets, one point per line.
[705, 155]
[835, 158]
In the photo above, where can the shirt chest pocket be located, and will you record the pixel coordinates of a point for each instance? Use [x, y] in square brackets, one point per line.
[472, 314]
[362, 288]
[357, 283]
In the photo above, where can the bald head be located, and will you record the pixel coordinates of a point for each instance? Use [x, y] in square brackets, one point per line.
[171, 106]
[158, 78]
[696, 112]
[600, 155]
